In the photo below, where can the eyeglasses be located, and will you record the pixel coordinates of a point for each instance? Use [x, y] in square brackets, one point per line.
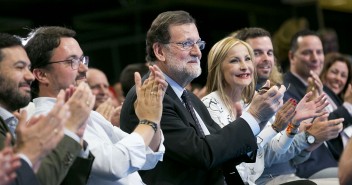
[187, 45]
[74, 62]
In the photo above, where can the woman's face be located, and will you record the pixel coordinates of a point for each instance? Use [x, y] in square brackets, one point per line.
[336, 77]
[238, 67]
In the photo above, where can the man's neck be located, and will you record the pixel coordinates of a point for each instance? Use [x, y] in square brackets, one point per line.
[303, 80]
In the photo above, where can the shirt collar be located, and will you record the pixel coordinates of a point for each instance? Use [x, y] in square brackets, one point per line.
[301, 79]
[175, 86]
[7, 116]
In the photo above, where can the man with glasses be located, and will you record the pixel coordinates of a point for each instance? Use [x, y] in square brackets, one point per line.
[58, 63]
[198, 151]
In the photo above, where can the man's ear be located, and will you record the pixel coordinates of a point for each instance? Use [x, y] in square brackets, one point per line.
[158, 51]
[40, 75]
[290, 56]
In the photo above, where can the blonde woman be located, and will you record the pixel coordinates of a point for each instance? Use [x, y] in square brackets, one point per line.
[231, 87]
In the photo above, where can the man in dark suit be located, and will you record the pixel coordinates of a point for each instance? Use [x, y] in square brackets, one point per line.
[197, 150]
[36, 141]
[306, 63]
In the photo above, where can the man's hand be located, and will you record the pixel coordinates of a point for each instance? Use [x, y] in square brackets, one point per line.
[150, 95]
[323, 129]
[42, 133]
[8, 162]
[80, 102]
[265, 105]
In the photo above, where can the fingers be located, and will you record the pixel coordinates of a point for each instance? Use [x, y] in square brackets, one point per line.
[22, 120]
[138, 82]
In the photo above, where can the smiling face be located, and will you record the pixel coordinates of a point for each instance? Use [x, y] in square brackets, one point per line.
[238, 67]
[336, 76]
[15, 78]
[264, 56]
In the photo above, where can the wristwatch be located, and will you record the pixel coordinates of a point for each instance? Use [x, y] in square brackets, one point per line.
[309, 138]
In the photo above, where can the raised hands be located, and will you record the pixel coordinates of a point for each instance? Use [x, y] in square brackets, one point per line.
[150, 95]
[80, 101]
[265, 105]
[9, 162]
[42, 133]
[284, 115]
[315, 86]
[306, 109]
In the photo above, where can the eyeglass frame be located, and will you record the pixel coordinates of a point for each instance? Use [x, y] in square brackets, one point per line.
[200, 43]
[83, 59]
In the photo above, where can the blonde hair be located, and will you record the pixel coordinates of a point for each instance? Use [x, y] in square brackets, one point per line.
[216, 79]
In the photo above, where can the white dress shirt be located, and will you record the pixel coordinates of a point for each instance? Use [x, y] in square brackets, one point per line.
[118, 155]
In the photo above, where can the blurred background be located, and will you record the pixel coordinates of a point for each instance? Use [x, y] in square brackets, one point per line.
[112, 32]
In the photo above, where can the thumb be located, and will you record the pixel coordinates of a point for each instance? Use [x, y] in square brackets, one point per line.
[137, 81]
[267, 84]
[22, 119]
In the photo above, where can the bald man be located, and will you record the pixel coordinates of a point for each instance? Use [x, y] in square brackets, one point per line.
[99, 84]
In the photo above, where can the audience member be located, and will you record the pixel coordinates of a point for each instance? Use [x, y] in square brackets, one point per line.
[105, 102]
[198, 151]
[118, 156]
[336, 75]
[36, 140]
[306, 62]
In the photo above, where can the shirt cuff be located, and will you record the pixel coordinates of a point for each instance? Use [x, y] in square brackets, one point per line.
[25, 158]
[72, 135]
[85, 151]
[265, 136]
[252, 122]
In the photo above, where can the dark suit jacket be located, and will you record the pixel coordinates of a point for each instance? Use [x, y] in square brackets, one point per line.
[322, 157]
[25, 175]
[189, 158]
[61, 166]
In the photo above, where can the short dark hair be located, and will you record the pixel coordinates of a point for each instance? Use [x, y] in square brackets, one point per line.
[6, 41]
[40, 44]
[302, 33]
[251, 33]
[127, 75]
[159, 30]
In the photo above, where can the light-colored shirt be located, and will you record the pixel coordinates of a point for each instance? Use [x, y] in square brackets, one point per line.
[118, 155]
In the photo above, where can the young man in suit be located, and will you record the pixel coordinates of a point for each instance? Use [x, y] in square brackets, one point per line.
[197, 150]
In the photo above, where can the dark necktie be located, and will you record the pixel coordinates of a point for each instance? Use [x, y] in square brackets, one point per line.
[190, 108]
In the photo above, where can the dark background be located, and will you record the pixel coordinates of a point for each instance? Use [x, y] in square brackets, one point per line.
[112, 32]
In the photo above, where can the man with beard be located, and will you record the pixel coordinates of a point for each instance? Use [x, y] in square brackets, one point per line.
[58, 62]
[198, 151]
[42, 134]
